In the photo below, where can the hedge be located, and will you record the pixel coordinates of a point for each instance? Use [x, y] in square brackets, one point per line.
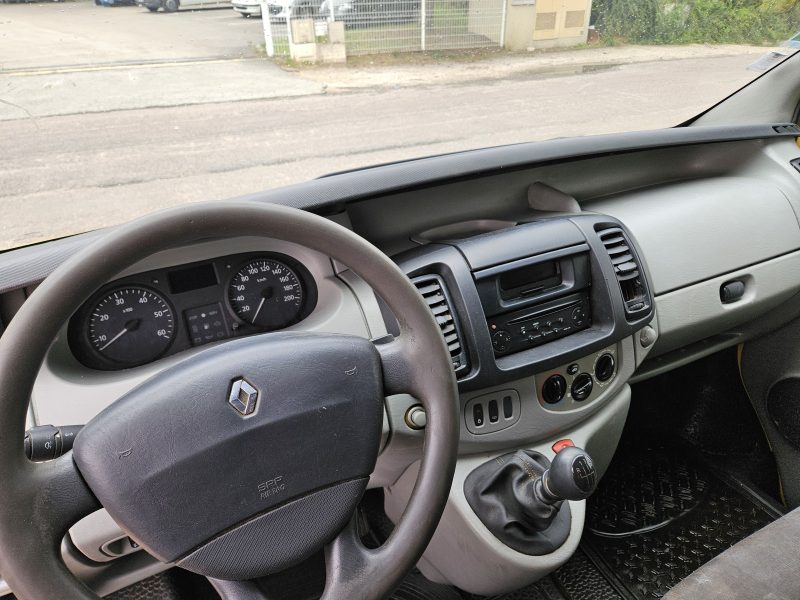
[697, 21]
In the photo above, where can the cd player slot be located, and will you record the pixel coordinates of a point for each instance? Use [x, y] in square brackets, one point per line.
[539, 314]
[527, 328]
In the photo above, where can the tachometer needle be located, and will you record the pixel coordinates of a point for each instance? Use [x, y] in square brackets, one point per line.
[258, 310]
[114, 339]
[131, 325]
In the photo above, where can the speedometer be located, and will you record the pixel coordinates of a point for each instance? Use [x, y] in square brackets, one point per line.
[131, 325]
[266, 293]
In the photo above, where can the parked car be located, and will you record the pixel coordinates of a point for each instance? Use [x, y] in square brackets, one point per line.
[247, 8]
[173, 5]
[361, 13]
[115, 2]
[278, 9]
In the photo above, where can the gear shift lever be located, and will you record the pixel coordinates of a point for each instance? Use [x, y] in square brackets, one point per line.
[571, 476]
[519, 496]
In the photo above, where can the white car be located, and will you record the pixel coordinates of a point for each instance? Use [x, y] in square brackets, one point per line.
[278, 9]
[247, 8]
[173, 5]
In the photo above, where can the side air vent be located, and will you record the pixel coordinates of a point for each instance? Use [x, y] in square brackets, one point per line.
[626, 268]
[788, 129]
[433, 291]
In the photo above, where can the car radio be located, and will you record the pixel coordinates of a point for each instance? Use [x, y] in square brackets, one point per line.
[535, 300]
[540, 324]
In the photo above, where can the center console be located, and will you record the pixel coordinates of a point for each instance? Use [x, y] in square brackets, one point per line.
[544, 323]
[531, 302]
[528, 298]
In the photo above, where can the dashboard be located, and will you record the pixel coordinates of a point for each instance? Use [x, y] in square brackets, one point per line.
[558, 273]
[138, 319]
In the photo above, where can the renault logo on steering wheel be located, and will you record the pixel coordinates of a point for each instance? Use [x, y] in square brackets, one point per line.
[243, 396]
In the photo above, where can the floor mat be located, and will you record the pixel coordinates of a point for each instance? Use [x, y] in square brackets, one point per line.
[658, 516]
[416, 587]
[174, 584]
[577, 579]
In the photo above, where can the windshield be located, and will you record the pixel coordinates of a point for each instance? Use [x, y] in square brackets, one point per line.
[113, 108]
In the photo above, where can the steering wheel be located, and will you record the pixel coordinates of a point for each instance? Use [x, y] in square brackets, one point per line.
[244, 458]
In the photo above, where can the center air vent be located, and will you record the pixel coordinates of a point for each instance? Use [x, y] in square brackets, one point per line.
[626, 268]
[433, 291]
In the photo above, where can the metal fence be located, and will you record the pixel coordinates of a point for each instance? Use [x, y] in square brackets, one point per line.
[380, 26]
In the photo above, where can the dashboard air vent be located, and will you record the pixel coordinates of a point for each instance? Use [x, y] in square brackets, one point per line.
[433, 291]
[788, 129]
[626, 268]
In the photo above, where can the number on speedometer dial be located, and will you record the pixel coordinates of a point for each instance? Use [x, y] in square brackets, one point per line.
[131, 325]
[266, 293]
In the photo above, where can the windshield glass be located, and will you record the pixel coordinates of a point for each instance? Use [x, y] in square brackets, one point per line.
[113, 108]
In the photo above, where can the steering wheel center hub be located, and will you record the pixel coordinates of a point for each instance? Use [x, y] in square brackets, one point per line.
[244, 459]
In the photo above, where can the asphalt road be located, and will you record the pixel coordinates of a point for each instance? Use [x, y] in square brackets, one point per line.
[69, 173]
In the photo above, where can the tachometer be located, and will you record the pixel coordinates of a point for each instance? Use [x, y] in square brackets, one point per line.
[131, 325]
[266, 293]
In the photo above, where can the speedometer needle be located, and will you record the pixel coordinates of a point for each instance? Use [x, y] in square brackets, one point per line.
[258, 310]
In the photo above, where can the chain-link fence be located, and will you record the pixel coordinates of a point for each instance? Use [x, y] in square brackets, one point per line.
[377, 26]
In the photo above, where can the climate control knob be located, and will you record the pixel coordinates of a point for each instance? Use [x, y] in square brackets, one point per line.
[582, 386]
[553, 389]
[604, 368]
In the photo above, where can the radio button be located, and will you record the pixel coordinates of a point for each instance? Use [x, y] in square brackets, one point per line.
[578, 316]
[501, 341]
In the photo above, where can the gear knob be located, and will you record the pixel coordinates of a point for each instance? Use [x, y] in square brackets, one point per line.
[571, 476]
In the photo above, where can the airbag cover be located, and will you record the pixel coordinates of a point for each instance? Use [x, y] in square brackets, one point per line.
[177, 465]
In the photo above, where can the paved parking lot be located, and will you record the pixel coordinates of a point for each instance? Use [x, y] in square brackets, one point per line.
[45, 35]
[89, 58]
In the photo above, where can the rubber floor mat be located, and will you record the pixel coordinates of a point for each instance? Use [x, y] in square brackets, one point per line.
[657, 516]
[577, 579]
[416, 587]
[159, 586]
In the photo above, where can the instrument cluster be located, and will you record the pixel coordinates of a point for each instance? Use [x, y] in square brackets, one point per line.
[141, 318]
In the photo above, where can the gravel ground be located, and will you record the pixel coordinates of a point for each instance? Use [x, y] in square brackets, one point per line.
[378, 71]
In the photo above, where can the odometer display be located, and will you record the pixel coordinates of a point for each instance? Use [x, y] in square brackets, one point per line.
[131, 325]
[266, 293]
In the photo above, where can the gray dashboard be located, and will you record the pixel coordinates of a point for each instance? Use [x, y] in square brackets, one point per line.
[697, 208]
[90, 390]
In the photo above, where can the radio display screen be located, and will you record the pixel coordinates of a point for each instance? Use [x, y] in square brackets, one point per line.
[540, 273]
